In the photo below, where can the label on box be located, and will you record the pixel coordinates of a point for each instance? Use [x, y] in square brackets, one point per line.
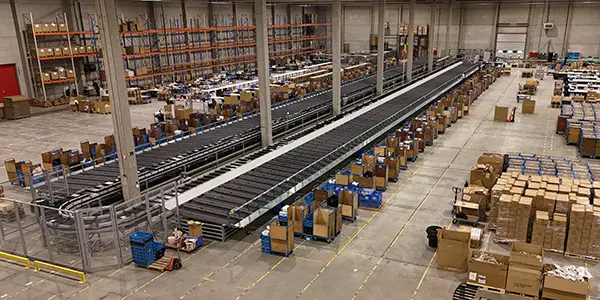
[473, 276]
[466, 197]
[487, 175]
[482, 279]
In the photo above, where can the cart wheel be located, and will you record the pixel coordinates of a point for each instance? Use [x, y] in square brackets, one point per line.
[328, 241]
[454, 221]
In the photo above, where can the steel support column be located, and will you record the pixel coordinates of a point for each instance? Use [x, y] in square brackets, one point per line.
[430, 36]
[449, 27]
[380, 46]
[337, 53]
[567, 36]
[117, 89]
[262, 52]
[22, 51]
[411, 41]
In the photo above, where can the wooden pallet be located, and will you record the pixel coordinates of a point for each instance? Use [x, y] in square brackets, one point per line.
[582, 257]
[490, 289]
[160, 265]
[525, 296]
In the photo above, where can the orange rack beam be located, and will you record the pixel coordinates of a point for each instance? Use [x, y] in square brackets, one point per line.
[59, 81]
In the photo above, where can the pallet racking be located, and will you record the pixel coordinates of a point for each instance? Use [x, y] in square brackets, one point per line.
[49, 44]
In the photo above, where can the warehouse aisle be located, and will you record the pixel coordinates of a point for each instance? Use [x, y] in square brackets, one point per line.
[383, 255]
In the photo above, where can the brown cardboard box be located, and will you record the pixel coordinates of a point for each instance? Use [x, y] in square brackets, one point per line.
[527, 255]
[486, 273]
[483, 175]
[559, 231]
[539, 227]
[594, 243]
[54, 76]
[576, 220]
[475, 194]
[342, 179]
[453, 250]
[494, 159]
[564, 289]
[70, 74]
[528, 107]
[349, 201]
[522, 279]
[502, 222]
[587, 229]
[195, 228]
[524, 212]
[501, 113]
[66, 51]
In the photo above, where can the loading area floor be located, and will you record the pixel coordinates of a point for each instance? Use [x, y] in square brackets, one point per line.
[383, 255]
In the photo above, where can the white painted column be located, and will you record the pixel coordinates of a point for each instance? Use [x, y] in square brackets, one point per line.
[336, 46]
[430, 37]
[448, 28]
[380, 46]
[410, 42]
[117, 89]
[262, 52]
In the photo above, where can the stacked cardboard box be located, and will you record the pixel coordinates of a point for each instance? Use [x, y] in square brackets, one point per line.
[483, 175]
[483, 272]
[524, 211]
[525, 269]
[540, 224]
[453, 250]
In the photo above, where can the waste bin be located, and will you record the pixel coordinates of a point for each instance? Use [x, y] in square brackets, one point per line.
[432, 235]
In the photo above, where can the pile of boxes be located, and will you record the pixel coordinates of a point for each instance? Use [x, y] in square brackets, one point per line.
[578, 122]
[64, 51]
[83, 104]
[418, 29]
[46, 27]
[16, 107]
[555, 213]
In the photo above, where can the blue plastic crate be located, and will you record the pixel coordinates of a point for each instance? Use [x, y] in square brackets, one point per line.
[141, 237]
[309, 198]
[282, 219]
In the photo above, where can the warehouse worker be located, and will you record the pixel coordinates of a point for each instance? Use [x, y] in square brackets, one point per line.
[159, 116]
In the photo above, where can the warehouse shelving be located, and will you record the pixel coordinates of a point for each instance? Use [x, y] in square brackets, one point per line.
[169, 51]
[41, 36]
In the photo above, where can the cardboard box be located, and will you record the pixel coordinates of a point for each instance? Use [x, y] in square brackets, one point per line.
[453, 250]
[65, 51]
[488, 274]
[523, 280]
[54, 76]
[564, 289]
[501, 113]
[527, 255]
[528, 107]
[483, 175]
[195, 228]
[70, 74]
[494, 159]
[62, 27]
[342, 179]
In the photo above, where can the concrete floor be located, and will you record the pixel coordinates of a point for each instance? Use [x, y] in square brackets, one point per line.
[59, 127]
[383, 255]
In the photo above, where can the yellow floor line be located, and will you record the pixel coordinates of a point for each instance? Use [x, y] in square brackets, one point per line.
[353, 236]
[211, 274]
[94, 283]
[163, 273]
[308, 259]
[266, 273]
[487, 241]
[425, 273]
[412, 215]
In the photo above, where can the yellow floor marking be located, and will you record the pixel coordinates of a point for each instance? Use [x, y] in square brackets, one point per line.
[163, 273]
[487, 241]
[353, 236]
[267, 273]
[211, 274]
[412, 215]
[308, 259]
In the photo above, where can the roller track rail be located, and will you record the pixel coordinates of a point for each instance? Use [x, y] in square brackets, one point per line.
[135, 213]
[157, 166]
[239, 201]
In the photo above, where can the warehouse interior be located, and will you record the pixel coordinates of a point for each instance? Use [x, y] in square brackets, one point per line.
[299, 149]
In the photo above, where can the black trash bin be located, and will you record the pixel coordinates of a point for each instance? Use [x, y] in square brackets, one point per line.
[432, 235]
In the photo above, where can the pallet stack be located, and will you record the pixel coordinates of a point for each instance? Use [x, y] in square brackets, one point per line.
[9, 211]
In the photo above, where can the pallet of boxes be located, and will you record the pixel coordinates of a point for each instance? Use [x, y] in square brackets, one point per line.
[551, 213]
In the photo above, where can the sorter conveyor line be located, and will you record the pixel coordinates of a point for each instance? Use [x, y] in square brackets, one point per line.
[216, 206]
[158, 165]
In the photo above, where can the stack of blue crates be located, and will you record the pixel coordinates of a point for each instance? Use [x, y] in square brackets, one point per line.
[144, 250]
[369, 198]
[265, 242]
